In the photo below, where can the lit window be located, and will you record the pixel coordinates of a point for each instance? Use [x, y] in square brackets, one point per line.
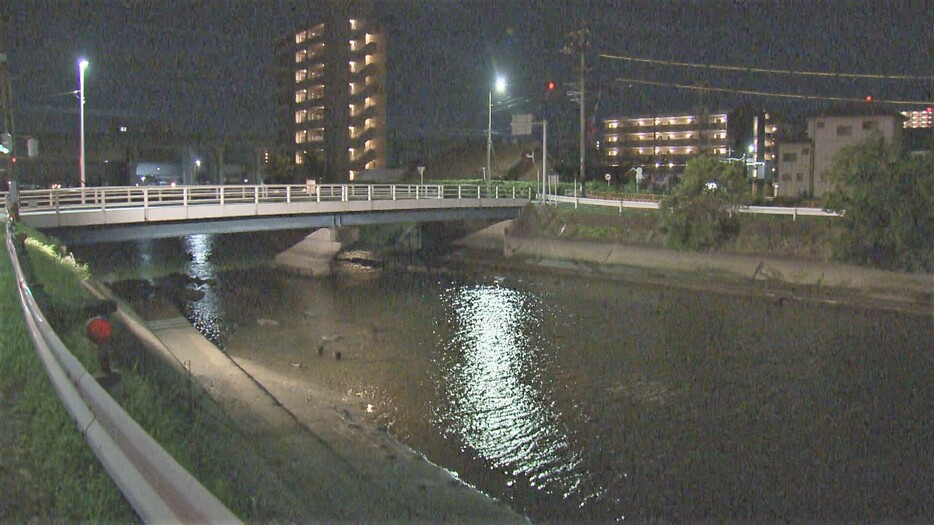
[301, 75]
[300, 116]
[300, 136]
[301, 95]
[300, 37]
[370, 38]
[301, 55]
[354, 24]
[299, 158]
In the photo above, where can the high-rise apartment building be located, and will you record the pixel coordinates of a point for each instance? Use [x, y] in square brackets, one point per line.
[332, 95]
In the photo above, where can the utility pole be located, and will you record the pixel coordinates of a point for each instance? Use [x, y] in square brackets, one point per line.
[6, 99]
[578, 42]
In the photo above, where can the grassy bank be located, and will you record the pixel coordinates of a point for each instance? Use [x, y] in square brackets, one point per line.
[48, 473]
[808, 237]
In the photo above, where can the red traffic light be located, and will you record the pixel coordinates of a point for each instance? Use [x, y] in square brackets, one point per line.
[551, 86]
[99, 330]
[868, 98]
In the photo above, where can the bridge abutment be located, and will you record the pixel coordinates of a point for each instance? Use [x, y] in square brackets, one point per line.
[315, 254]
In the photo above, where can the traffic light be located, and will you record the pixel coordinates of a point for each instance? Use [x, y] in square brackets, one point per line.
[551, 86]
[868, 98]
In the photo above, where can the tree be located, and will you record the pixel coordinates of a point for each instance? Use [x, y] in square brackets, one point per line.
[700, 212]
[279, 169]
[887, 199]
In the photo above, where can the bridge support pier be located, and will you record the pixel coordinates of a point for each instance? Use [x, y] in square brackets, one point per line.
[315, 253]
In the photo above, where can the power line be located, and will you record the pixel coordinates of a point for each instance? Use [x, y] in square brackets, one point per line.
[747, 69]
[770, 94]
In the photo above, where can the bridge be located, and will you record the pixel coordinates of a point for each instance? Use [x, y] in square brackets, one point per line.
[107, 214]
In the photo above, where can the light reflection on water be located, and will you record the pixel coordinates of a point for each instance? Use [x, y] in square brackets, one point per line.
[495, 399]
[206, 313]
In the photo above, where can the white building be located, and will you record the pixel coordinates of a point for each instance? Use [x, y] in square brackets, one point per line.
[803, 166]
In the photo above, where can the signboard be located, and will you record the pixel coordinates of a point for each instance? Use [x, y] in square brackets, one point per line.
[521, 125]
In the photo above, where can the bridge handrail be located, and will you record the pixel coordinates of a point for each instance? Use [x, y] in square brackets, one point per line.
[103, 198]
[156, 486]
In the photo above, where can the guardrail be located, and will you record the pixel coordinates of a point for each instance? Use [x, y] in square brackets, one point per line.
[157, 487]
[649, 205]
[154, 196]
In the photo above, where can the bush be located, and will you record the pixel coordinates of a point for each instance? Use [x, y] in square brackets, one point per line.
[700, 212]
[887, 197]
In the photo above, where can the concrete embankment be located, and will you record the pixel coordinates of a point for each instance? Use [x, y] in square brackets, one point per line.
[348, 470]
[910, 291]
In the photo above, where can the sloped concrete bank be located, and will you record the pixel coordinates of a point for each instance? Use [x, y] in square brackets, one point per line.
[340, 468]
[783, 276]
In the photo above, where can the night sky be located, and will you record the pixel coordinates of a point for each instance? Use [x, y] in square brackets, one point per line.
[208, 66]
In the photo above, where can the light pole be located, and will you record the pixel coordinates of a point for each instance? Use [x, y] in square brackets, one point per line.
[500, 88]
[82, 65]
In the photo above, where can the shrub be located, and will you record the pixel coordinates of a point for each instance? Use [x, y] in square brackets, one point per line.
[887, 197]
[700, 212]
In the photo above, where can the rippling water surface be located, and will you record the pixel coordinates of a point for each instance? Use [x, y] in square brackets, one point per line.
[580, 400]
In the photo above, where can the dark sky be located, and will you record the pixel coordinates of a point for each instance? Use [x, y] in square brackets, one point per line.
[207, 66]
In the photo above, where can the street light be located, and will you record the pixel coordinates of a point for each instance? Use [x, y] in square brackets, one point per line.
[82, 65]
[500, 88]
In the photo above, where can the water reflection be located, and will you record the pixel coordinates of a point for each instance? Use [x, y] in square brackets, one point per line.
[205, 313]
[496, 402]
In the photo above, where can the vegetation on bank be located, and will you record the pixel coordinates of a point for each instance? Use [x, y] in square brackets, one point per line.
[887, 197]
[700, 213]
[47, 471]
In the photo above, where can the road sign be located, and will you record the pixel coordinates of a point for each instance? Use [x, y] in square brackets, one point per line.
[522, 124]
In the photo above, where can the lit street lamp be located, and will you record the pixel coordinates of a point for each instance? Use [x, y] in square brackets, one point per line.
[500, 88]
[82, 65]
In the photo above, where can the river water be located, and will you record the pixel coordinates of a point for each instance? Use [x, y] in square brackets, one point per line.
[582, 400]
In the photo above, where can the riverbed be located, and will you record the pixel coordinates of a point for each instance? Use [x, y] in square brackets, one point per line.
[582, 400]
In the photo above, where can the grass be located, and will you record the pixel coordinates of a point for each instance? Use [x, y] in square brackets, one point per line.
[47, 471]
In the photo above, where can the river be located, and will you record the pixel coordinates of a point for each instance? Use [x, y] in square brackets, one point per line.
[582, 400]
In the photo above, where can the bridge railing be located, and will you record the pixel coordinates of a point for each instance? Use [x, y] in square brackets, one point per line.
[104, 198]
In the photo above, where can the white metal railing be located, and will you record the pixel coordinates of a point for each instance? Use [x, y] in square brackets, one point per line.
[157, 487]
[650, 205]
[155, 196]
